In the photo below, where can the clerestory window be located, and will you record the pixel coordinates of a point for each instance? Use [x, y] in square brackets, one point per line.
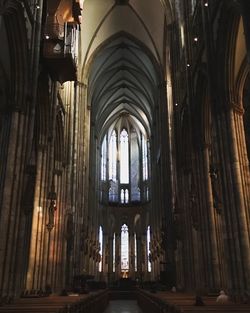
[124, 172]
[124, 248]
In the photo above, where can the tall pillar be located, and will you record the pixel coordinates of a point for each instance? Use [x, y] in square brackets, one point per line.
[214, 273]
[139, 257]
[110, 258]
[38, 212]
[117, 256]
[131, 255]
[243, 255]
[144, 257]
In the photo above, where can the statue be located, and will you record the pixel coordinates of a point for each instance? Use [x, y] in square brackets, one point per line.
[52, 209]
[214, 176]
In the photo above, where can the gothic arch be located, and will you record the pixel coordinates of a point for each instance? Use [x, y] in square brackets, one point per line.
[228, 29]
[12, 13]
[112, 38]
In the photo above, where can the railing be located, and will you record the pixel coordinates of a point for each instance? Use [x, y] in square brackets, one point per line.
[60, 40]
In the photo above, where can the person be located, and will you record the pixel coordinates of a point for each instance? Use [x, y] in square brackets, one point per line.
[199, 301]
[222, 298]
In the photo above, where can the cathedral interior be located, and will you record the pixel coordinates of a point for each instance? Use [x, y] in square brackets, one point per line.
[125, 144]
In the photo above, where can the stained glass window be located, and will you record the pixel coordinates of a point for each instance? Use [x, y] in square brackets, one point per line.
[124, 248]
[144, 159]
[114, 254]
[112, 156]
[124, 158]
[104, 159]
[135, 252]
[101, 246]
[148, 249]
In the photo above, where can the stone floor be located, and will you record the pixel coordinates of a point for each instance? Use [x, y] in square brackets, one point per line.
[123, 306]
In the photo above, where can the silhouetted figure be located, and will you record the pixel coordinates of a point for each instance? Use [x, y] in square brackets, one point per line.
[48, 290]
[199, 301]
[64, 293]
[246, 298]
[222, 298]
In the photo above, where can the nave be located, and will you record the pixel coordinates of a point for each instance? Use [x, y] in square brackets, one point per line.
[140, 301]
[124, 152]
[123, 306]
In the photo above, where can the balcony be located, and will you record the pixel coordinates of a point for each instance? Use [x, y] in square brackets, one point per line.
[60, 50]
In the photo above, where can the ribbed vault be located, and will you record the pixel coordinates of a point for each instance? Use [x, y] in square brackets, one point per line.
[123, 79]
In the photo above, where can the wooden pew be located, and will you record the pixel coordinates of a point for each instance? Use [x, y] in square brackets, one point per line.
[180, 302]
[91, 303]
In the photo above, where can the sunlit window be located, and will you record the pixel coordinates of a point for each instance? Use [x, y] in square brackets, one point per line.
[112, 156]
[104, 159]
[114, 253]
[122, 196]
[148, 249]
[124, 166]
[101, 247]
[135, 252]
[126, 196]
[124, 248]
[124, 158]
[144, 159]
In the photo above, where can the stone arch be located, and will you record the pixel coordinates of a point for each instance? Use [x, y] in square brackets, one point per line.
[13, 19]
[228, 29]
[112, 38]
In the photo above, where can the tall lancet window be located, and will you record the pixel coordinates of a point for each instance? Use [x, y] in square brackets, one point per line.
[135, 252]
[112, 156]
[114, 258]
[148, 249]
[101, 247]
[144, 158]
[113, 188]
[125, 163]
[104, 159]
[124, 158]
[124, 248]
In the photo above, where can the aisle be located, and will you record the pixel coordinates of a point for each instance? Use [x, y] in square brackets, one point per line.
[123, 306]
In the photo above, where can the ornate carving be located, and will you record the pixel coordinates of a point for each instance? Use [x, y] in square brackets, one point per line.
[214, 175]
[52, 209]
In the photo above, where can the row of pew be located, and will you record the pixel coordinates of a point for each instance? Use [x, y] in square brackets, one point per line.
[167, 302]
[90, 303]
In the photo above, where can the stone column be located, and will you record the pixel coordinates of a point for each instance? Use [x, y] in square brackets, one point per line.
[139, 257]
[243, 255]
[117, 256]
[110, 258]
[144, 257]
[214, 274]
[38, 213]
[131, 255]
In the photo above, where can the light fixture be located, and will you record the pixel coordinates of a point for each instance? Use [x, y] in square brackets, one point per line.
[195, 39]
[38, 7]
[206, 4]
[47, 36]
[176, 104]
[188, 65]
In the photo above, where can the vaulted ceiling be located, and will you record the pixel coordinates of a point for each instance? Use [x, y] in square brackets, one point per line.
[122, 79]
[123, 57]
